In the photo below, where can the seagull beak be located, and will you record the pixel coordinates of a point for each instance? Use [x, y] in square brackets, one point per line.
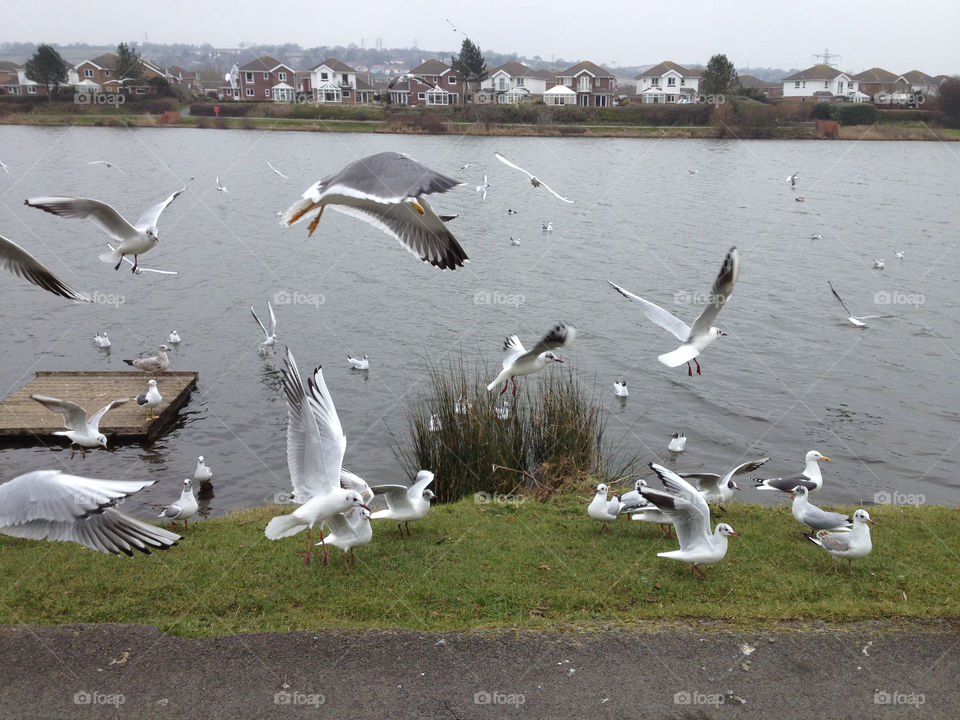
[825, 459]
[416, 206]
[733, 533]
[365, 507]
[558, 360]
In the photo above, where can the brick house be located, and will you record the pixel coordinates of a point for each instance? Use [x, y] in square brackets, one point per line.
[441, 86]
[266, 79]
[593, 85]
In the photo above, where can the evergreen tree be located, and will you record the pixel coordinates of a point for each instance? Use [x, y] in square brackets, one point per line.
[719, 77]
[470, 64]
[128, 64]
[47, 68]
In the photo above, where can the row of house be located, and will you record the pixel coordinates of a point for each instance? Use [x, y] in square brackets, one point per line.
[435, 83]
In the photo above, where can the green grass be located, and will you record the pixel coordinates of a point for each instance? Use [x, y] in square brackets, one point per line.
[530, 565]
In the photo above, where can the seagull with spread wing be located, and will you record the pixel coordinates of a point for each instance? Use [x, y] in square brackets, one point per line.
[517, 360]
[269, 332]
[534, 180]
[81, 431]
[855, 320]
[18, 261]
[697, 338]
[277, 171]
[133, 239]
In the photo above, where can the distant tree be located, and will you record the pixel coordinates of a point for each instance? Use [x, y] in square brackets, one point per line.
[128, 66]
[47, 68]
[950, 100]
[719, 77]
[469, 64]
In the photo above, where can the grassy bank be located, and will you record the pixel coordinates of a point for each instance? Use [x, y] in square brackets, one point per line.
[490, 564]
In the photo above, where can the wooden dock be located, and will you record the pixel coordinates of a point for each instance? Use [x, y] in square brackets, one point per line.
[22, 418]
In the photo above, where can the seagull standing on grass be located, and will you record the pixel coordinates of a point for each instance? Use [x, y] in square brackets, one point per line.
[134, 239]
[517, 360]
[315, 448]
[717, 490]
[810, 478]
[347, 531]
[806, 513]
[603, 508]
[855, 320]
[691, 518]
[18, 261]
[386, 190]
[269, 332]
[535, 181]
[850, 544]
[405, 504]
[184, 508]
[697, 338]
[51, 505]
[81, 431]
[150, 399]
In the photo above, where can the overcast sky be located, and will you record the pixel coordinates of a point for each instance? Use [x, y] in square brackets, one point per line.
[898, 36]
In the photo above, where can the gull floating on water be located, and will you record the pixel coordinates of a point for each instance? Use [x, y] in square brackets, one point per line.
[816, 236]
[107, 163]
[173, 338]
[360, 363]
[879, 264]
[220, 186]
[405, 504]
[899, 254]
[139, 269]
[810, 478]
[535, 181]
[716, 489]
[547, 227]
[203, 473]
[806, 513]
[678, 441]
[514, 241]
[315, 449]
[855, 320]
[386, 191]
[3, 166]
[101, 340]
[157, 363]
[269, 332]
[697, 338]
[277, 171]
[511, 211]
[18, 261]
[793, 179]
[54, 506]
[349, 530]
[800, 198]
[517, 360]
[151, 398]
[851, 544]
[482, 187]
[620, 388]
[691, 518]
[184, 508]
[134, 239]
[80, 431]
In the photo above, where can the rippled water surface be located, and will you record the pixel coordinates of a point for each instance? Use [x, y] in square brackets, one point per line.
[790, 376]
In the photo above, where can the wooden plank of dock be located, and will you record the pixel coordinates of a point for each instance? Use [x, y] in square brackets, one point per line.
[22, 418]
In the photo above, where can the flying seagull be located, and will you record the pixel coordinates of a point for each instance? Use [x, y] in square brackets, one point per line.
[698, 337]
[139, 270]
[793, 179]
[855, 320]
[277, 171]
[535, 181]
[80, 431]
[269, 332]
[405, 503]
[386, 190]
[107, 163]
[52, 505]
[18, 261]
[517, 360]
[134, 239]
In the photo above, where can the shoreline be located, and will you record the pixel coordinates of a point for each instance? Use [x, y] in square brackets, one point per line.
[854, 132]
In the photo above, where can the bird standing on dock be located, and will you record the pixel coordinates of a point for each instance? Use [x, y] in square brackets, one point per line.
[150, 399]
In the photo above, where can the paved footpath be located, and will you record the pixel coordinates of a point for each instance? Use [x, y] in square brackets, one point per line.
[123, 671]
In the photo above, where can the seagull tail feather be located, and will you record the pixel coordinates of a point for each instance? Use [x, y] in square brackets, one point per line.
[283, 526]
[111, 256]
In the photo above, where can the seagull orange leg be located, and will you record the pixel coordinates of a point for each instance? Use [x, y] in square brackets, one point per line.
[314, 222]
[698, 365]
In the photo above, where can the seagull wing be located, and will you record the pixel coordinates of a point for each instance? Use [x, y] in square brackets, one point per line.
[272, 327]
[351, 481]
[424, 478]
[719, 293]
[99, 213]
[560, 336]
[512, 349]
[746, 467]
[657, 315]
[74, 416]
[277, 171]
[839, 299]
[18, 261]
[685, 503]
[506, 162]
[395, 495]
[835, 541]
[254, 313]
[315, 439]
[151, 216]
[703, 481]
[555, 193]
[94, 421]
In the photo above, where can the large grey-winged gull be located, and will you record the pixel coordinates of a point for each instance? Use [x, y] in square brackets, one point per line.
[810, 478]
[155, 363]
[517, 360]
[315, 448]
[697, 338]
[81, 431]
[386, 190]
[134, 239]
[691, 518]
[18, 261]
[51, 505]
[405, 503]
[850, 544]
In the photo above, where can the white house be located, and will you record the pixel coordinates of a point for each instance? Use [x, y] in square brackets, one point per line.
[513, 82]
[668, 82]
[333, 81]
[821, 82]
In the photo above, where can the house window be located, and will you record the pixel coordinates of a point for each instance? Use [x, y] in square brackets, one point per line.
[106, 73]
[266, 92]
[344, 79]
[141, 91]
[584, 84]
[519, 82]
[683, 81]
[31, 89]
[655, 82]
[249, 92]
[324, 76]
[248, 77]
[568, 81]
[671, 98]
[840, 86]
[671, 82]
[266, 76]
[421, 96]
[452, 79]
[282, 76]
[346, 94]
[796, 85]
[501, 84]
[826, 83]
[88, 72]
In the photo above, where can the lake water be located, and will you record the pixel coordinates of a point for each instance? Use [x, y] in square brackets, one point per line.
[790, 376]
